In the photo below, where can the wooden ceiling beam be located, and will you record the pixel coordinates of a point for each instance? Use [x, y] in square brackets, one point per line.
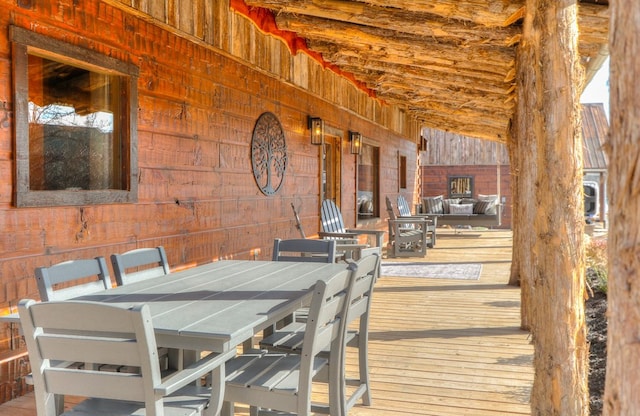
[489, 13]
[593, 24]
[472, 112]
[457, 108]
[418, 87]
[472, 67]
[416, 23]
[483, 12]
[368, 69]
[481, 129]
[418, 94]
[407, 48]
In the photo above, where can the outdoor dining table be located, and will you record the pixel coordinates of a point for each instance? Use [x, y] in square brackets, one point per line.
[219, 305]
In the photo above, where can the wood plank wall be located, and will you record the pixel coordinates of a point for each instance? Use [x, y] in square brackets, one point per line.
[206, 75]
[449, 149]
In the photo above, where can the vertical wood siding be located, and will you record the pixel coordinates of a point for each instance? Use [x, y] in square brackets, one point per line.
[443, 148]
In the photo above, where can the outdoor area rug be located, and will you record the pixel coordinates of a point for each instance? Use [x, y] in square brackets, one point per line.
[463, 271]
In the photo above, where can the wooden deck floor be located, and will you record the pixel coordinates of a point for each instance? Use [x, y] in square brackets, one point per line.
[451, 347]
[441, 347]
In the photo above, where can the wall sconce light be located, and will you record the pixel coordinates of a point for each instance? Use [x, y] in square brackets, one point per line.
[356, 142]
[316, 126]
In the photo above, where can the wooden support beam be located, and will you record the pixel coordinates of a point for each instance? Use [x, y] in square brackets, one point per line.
[546, 153]
[623, 310]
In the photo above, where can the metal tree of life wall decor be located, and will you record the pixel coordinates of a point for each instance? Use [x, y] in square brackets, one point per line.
[268, 154]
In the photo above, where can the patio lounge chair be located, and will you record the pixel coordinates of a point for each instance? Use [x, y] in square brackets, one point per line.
[405, 212]
[408, 237]
[346, 248]
[333, 225]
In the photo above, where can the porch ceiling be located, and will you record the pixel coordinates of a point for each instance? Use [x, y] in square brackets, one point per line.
[449, 63]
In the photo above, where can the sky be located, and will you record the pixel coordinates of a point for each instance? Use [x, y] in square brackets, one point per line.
[598, 89]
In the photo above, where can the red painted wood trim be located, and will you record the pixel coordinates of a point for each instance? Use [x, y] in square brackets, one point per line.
[265, 20]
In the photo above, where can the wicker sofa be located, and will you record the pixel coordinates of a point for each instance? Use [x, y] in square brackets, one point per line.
[482, 211]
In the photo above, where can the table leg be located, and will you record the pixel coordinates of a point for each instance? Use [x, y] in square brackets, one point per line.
[228, 409]
[216, 403]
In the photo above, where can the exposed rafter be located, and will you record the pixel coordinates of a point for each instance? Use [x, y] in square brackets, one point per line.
[449, 63]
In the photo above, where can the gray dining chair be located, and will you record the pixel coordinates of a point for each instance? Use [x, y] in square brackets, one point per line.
[67, 280]
[139, 264]
[282, 381]
[290, 339]
[72, 278]
[118, 336]
[304, 249]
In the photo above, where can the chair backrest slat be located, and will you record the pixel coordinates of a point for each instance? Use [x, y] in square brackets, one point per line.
[102, 384]
[87, 276]
[307, 250]
[403, 207]
[331, 217]
[90, 350]
[146, 262]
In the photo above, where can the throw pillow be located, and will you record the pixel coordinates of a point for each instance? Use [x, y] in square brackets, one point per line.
[461, 209]
[490, 209]
[447, 202]
[366, 207]
[432, 205]
[470, 201]
[485, 207]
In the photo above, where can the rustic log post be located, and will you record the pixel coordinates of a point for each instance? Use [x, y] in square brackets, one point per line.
[523, 168]
[623, 309]
[548, 235]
